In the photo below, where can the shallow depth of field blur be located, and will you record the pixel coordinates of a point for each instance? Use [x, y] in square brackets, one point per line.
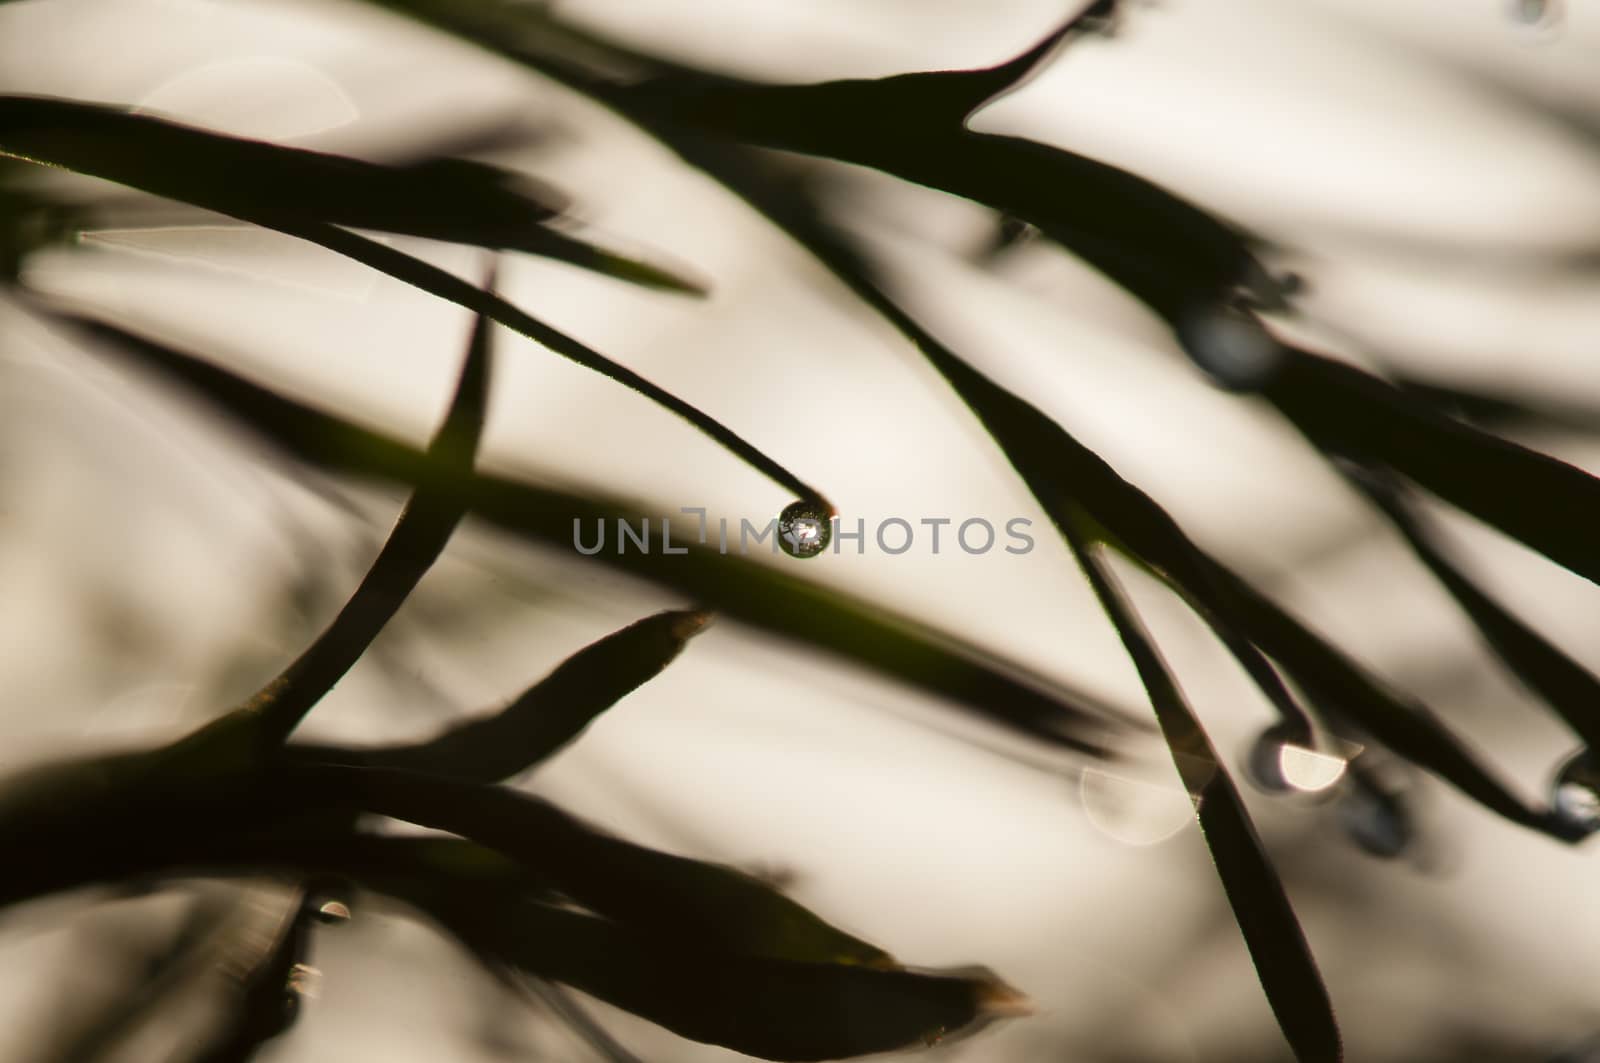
[1430, 168]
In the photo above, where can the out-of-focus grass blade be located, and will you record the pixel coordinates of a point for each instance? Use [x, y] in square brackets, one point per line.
[696, 903]
[548, 715]
[161, 976]
[456, 200]
[1564, 684]
[1283, 959]
[1528, 495]
[1168, 252]
[771, 1009]
[733, 586]
[260, 954]
[96, 141]
[576, 1018]
[419, 536]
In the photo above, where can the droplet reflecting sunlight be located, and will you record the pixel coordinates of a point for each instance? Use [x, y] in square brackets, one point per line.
[1575, 794]
[804, 529]
[1134, 811]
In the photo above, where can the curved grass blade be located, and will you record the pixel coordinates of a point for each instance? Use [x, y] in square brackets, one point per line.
[1564, 684]
[1529, 496]
[759, 595]
[547, 716]
[771, 1009]
[1168, 252]
[446, 286]
[1277, 945]
[671, 897]
[101, 154]
[455, 200]
[419, 536]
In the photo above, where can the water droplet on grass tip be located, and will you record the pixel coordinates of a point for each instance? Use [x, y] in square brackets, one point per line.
[1277, 765]
[1575, 794]
[1376, 818]
[804, 529]
[1538, 19]
[1231, 346]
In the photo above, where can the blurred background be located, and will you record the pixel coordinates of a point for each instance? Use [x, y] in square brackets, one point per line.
[1431, 169]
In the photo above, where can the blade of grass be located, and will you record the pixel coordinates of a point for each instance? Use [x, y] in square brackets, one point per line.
[1283, 960]
[1168, 252]
[102, 153]
[456, 200]
[547, 716]
[1530, 496]
[419, 536]
[1564, 684]
[771, 1009]
[672, 897]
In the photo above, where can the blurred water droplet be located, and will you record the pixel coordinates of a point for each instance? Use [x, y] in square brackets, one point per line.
[1376, 817]
[333, 911]
[1278, 766]
[1134, 811]
[1537, 19]
[804, 529]
[1575, 794]
[1231, 346]
[304, 981]
[1264, 763]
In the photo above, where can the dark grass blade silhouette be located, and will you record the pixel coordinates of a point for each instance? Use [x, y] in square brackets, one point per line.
[771, 1009]
[1277, 945]
[775, 1008]
[1532, 497]
[450, 199]
[100, 151]
[757, 594]
[1544, 668]
[671, 897]
[419, 536]
[1171, 254]
[547, 716]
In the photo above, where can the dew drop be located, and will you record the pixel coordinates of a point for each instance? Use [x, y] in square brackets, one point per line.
[1277, 765]
[1376, 817]
[1575, 794]
[1233, 348]
[804, 528]
[1537, 20]
[333, 911]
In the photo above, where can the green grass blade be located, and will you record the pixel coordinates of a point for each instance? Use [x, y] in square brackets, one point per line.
[456, 200]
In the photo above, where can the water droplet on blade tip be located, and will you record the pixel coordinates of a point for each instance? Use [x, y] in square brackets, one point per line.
[804, 529]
